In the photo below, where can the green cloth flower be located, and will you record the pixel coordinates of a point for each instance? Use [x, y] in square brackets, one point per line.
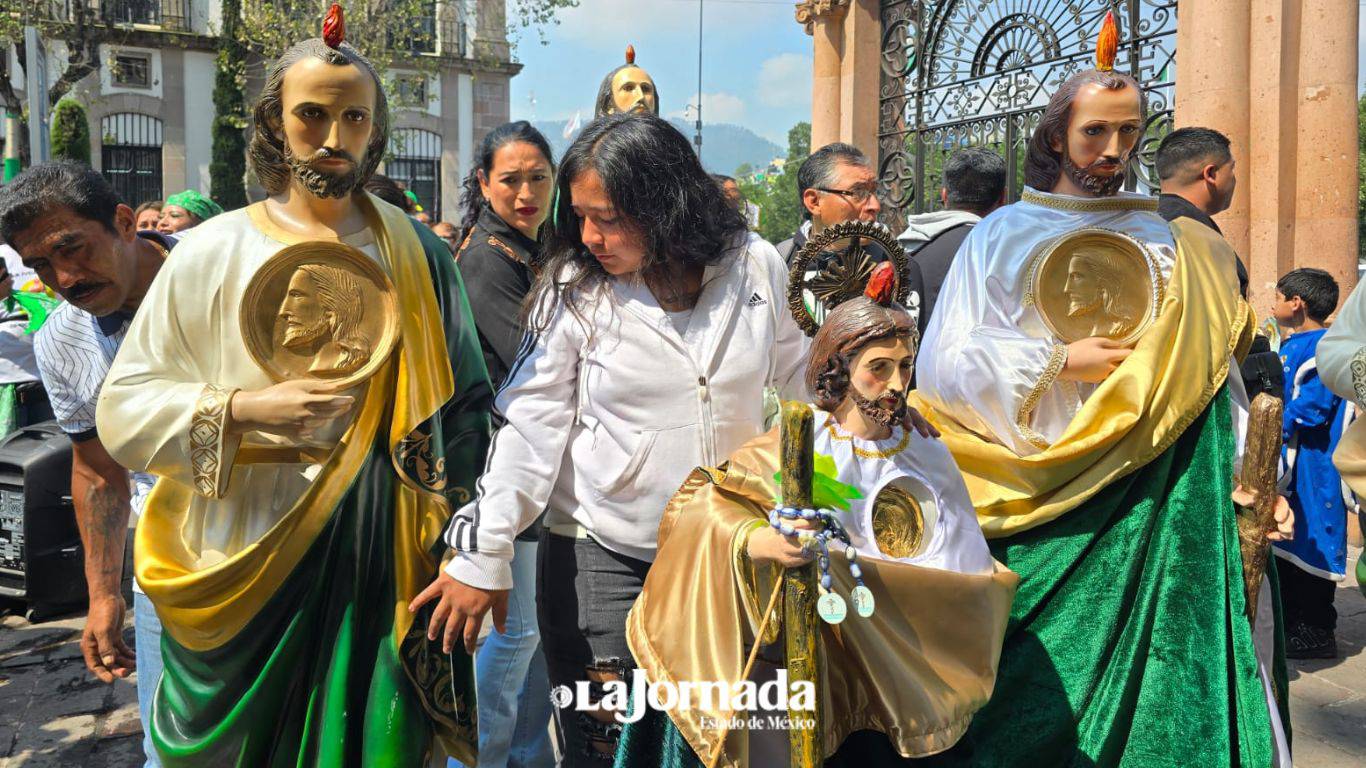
[826, 491]
[202, 207]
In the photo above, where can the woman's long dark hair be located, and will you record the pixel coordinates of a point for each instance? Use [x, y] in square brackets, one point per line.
[472, 202]
[657, 185]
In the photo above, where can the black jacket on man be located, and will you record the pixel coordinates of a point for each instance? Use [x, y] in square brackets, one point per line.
[1262, 368]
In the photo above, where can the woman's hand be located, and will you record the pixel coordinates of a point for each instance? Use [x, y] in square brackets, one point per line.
[767, 545]
[460, 611]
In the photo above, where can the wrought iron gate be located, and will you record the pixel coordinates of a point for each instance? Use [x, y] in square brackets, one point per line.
[959, 73]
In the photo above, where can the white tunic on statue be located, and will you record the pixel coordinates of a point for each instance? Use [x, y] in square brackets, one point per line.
[186, 335]
[924, 468]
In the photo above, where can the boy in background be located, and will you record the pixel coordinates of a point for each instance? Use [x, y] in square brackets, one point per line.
[1310, 565]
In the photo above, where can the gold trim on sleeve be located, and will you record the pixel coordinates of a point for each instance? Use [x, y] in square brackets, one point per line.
[1358, 369]
[1056, 361]
[1089, 205]
[208, 429]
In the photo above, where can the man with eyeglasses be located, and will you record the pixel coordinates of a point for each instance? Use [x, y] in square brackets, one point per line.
[836, 184]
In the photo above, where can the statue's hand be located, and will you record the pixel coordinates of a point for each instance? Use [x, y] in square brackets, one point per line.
[767, 545]
[1092, 360]
[292, 409]
[461, 610]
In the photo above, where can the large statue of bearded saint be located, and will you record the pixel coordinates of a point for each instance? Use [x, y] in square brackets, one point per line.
[308, 437]
[1102, 467]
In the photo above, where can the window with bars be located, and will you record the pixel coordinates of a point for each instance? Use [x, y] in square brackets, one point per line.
[130, 156]
[416, 164]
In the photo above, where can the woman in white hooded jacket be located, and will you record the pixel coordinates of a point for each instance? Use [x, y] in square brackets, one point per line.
[656, 325]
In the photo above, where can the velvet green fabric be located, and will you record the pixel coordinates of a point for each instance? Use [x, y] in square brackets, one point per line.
[1127, 645]
[315, 679]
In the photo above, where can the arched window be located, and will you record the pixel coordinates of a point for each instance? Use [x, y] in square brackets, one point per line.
[416, 163]
[130, 156]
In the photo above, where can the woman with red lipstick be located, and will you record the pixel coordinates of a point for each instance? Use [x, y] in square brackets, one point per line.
[656, 324]
[506, 198]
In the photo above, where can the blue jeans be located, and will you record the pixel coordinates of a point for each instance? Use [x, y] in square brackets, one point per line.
[513, 686]
[147, 641]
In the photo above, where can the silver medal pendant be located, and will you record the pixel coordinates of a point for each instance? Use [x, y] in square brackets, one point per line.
[863, 601]
[831, 608]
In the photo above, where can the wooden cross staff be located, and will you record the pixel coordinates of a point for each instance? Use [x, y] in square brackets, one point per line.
[801, 628]
[1261, 459]
[797, 588]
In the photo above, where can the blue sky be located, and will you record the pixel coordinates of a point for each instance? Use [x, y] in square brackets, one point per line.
[756, 65]
[756, 68]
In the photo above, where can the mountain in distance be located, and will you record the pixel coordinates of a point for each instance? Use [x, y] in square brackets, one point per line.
[725, 146]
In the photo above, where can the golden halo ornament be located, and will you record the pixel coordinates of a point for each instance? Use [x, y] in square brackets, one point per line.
[320, 310]
[834, 267]
[1095, 282]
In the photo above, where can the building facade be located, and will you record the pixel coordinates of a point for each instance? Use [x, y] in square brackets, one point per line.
[150, 105]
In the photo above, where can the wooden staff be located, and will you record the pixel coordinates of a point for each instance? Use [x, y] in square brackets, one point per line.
[800, 624]
[1261, 458]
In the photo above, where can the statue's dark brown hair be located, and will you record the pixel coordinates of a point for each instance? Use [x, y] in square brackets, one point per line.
[1043, 163]
[267, 150]
[847, 329]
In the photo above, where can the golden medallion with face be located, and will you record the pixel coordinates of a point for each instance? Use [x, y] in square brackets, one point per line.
[1095, 282]
[320, 310]
[898, 522]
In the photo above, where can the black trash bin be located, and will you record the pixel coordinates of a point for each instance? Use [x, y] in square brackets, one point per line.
[41, 558]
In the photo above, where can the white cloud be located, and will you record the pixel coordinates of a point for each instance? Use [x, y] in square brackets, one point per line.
[614, 23]
[785, 81]
[716, 108]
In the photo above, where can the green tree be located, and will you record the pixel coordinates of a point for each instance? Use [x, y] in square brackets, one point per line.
[228, 168]
[70, 132]
[780, 210]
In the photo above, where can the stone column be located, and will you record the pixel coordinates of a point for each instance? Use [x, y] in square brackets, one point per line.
[824, 21]
[1212, 90]
[1326, 96]
[490, 31]
[1278, 77]
[859, 76]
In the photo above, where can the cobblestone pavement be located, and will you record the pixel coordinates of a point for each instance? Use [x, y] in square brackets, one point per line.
[53, 713]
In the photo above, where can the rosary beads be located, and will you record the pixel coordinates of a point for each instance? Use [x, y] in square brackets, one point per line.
[830, 605]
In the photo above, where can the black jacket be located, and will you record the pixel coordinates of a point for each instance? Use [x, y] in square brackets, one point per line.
[933, 260]
[1261, 368]
[495, 261]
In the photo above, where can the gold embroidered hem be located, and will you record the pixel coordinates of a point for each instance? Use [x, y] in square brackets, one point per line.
[1056, 362]
[1090, 205]
[209, 441]
[1135, 414]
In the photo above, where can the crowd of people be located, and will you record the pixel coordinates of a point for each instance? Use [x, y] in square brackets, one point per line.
[316, 558]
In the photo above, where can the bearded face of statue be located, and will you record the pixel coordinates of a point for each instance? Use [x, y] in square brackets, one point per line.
[879, 376]
[327, 123]
[302, 313]
[633, 90]
[1104, 127]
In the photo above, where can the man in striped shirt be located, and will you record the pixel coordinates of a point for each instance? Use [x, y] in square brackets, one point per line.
[69, 227]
